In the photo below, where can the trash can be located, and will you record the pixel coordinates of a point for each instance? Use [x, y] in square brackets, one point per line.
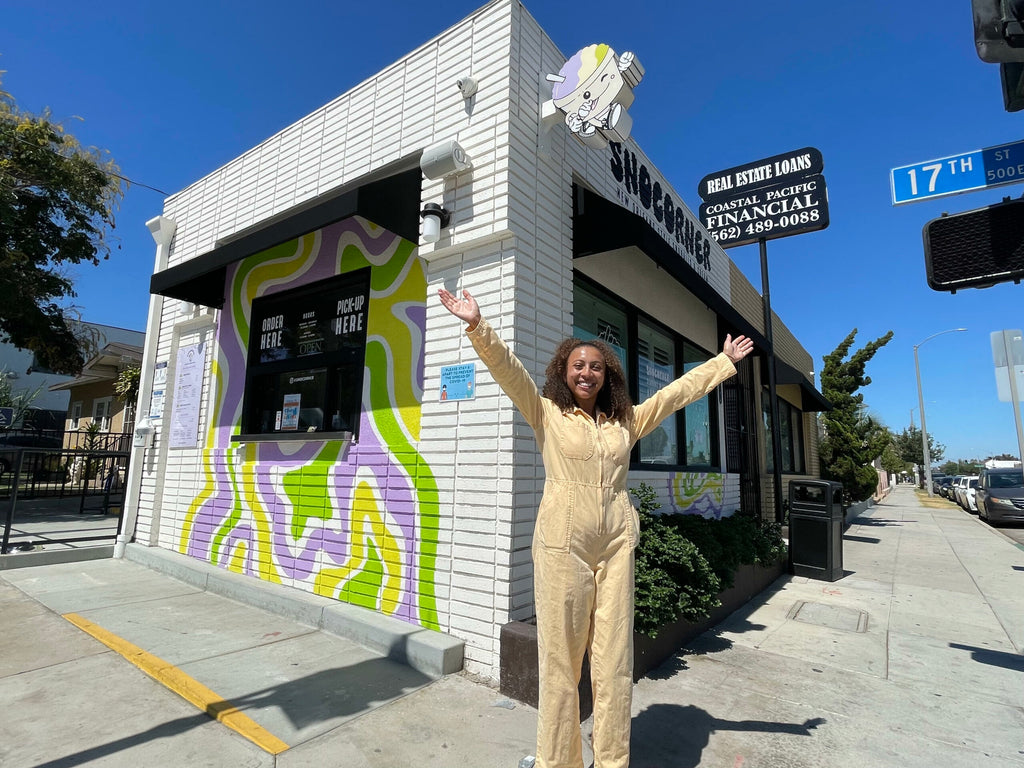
[816, 529]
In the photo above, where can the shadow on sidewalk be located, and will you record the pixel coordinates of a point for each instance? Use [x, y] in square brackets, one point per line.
[862, 539]
[163, 731]
[878, 521]
[340, 692]
[674, 736]
[710, 641]
[1012, 661]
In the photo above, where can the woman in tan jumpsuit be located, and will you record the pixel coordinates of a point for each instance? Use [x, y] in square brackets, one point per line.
[586, 527]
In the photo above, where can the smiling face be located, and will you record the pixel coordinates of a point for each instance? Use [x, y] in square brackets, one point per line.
[596, 91]
[584, 375]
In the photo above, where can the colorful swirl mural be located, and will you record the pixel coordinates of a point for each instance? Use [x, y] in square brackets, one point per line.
[357, 522]
[697, 493]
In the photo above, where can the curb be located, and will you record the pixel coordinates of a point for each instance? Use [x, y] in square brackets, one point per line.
[433, 653]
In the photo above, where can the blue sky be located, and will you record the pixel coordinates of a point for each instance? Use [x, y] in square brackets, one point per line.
[175, 91]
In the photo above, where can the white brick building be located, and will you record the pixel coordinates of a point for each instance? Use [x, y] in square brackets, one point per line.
[296, 350]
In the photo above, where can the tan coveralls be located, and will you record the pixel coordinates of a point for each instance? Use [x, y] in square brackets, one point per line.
[583, 545]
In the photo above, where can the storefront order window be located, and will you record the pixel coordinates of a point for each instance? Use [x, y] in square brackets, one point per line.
[307, 349]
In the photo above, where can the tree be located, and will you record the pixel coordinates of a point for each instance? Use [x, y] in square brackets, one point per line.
[892, 462]
[908, 443]
[1004, 457]
[126, 387]
[852, 439]
[18, 401]
[57, 200]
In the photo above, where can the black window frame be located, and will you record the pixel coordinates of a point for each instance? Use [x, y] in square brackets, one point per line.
[336, 367]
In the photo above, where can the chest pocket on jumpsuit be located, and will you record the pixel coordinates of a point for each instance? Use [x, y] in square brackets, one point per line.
[554, 518]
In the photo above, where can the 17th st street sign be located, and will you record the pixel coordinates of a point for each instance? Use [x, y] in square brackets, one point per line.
[978, 169]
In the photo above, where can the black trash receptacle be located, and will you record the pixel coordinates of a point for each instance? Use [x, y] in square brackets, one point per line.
[816, 529]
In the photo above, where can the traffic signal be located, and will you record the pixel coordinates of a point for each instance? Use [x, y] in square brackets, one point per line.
[976, 249]
[999, 30]
[1012, 77]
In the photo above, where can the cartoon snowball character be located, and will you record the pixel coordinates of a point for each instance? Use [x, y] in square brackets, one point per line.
[594, 89]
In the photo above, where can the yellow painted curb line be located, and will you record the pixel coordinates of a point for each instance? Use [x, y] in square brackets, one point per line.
[183, 685]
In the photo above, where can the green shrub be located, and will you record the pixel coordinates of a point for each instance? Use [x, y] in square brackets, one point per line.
[684, 561]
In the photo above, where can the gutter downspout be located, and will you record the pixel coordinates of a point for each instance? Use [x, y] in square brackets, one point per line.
[162, 229]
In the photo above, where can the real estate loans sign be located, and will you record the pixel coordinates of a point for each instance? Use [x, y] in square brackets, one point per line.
[775, 197]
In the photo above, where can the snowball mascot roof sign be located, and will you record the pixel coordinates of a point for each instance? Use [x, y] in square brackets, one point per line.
[593, 89]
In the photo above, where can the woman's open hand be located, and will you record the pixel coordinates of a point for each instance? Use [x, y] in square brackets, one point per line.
[465, 308]
[738, 348]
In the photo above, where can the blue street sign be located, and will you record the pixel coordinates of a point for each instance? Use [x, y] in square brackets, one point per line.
[980, 169]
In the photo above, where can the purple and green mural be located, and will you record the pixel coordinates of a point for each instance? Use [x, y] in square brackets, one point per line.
[697, 493]
[354, 521]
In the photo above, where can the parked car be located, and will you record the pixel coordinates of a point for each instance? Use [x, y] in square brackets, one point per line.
[969, 496]
[949, 490]
[1000, 495]
[960, 490]
[937, 478]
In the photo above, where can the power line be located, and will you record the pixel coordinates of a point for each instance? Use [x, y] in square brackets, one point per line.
[111, 173]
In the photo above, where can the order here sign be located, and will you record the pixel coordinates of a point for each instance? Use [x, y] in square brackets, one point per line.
[770, 198]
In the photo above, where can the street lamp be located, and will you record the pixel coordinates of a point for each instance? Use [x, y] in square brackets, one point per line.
[920, 407]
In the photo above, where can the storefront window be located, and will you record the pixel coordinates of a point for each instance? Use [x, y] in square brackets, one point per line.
[656, 367]
[791, 436]
[688, 438]
[596, 317]
[697, 416]
[306, 354]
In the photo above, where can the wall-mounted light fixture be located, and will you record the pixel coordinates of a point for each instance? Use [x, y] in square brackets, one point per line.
[446, 158]
[467, 86]
[435, 218]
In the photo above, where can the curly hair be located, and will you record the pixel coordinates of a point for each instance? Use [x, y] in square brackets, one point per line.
[613, 398]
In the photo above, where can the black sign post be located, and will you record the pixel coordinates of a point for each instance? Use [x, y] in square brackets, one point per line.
[775, 197]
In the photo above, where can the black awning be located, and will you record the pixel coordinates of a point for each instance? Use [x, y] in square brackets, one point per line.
[787, 374]
[600, 225]
[392, 203]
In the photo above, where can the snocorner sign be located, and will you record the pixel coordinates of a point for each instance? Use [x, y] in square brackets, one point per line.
[770, 198]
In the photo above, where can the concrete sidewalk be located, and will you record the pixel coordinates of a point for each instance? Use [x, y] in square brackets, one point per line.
[912, 659]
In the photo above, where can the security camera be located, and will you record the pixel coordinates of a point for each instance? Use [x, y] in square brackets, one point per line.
[444, 159]
[467, 86]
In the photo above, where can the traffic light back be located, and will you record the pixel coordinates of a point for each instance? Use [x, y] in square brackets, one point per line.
[976, 249]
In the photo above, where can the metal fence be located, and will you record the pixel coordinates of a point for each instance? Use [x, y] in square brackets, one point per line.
[71, 439]
[61, 496]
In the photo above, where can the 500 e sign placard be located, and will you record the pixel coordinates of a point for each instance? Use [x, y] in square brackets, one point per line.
[787, 208]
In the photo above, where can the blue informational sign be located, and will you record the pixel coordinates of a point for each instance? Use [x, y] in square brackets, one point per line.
[6, 418]
[458, 382]
[979, 169]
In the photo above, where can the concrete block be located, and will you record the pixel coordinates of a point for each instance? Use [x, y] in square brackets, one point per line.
[435, 653]
[176, 566]
[432, 653]
[368, 628]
